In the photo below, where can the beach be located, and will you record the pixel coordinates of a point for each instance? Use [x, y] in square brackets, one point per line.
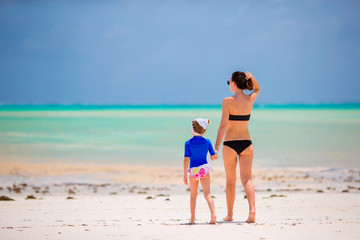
[94, 202]
[116, 172]
[97, 107]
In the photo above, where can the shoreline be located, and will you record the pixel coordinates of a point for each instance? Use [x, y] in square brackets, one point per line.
[303, 178]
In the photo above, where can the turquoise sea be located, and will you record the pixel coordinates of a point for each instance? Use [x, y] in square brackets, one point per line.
[283, 135]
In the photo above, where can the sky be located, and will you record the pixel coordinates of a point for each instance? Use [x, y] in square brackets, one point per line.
[177, 52]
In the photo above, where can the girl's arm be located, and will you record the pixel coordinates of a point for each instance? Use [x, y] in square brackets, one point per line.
[213, 155]
[223, 124]
[186, 166]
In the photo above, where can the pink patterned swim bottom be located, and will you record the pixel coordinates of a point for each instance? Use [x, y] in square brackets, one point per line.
[200, 171]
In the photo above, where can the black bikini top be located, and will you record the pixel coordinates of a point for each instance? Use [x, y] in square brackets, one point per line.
[239, 117]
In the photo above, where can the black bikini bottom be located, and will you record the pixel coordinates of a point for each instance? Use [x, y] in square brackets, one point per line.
[238, 145]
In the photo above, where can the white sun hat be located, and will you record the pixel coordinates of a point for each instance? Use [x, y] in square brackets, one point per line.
[202, 122]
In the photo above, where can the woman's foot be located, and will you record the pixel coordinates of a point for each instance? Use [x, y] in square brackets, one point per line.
[251, 218]
[213, 220]
[192, 220]
[228, 218]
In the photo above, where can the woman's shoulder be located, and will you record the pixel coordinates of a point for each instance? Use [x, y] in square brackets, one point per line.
[228, 100]
[231, 98]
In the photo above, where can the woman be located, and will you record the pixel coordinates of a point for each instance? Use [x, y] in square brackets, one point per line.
[236, 112]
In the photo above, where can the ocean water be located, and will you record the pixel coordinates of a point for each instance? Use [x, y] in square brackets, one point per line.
[283, 136]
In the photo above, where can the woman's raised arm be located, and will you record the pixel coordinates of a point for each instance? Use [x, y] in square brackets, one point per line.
[256, 85]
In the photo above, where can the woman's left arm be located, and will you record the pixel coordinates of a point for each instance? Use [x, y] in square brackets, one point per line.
[223, 124]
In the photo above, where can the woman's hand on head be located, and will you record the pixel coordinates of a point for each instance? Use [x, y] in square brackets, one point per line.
[248, 75]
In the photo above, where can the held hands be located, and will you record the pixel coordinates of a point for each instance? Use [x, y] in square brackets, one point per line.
[216, 150]
[186, 179]
[248, 75]
[214, 157]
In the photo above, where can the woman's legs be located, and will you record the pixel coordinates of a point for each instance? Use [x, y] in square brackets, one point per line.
[245, 161]
[193, 194]
[230, 161]
[205, 184]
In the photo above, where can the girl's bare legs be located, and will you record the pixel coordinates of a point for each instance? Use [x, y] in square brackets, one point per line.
[205, 184]
[230, 161]
[245, 161]
[193, 194]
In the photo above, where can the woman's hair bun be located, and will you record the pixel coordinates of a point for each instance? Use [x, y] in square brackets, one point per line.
[241, 82]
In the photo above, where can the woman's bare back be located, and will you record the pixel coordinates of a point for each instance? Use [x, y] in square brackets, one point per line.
[239, 105]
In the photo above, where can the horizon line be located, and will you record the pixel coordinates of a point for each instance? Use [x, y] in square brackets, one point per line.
[168, 104]
[88, 106]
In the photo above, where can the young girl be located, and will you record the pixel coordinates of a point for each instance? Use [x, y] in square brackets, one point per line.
[196, 150]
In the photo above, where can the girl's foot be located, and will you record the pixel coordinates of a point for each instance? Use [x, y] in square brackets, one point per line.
[251, 218]
[213, 220]
[192, 220]
[228, 218]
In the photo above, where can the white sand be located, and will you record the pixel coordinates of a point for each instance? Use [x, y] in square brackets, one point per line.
[297, 216]
[302, 212]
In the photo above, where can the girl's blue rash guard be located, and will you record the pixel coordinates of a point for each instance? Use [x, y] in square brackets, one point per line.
[197, 148]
